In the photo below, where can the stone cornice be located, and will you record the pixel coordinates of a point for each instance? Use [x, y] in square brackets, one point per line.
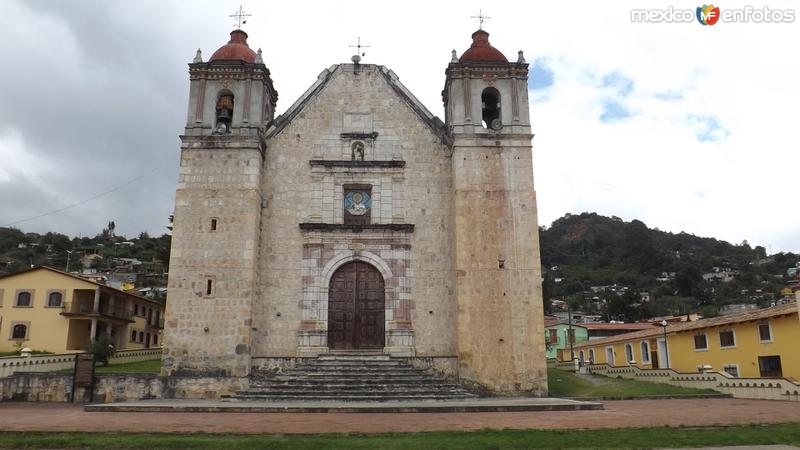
[350, 163]
[333, 227]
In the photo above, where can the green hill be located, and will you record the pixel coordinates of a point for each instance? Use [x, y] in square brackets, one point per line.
[586, 250]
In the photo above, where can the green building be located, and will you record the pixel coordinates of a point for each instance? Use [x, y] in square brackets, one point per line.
[557, 338]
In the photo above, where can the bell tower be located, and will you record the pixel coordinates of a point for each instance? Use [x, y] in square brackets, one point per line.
[217, 213]
[497, 267]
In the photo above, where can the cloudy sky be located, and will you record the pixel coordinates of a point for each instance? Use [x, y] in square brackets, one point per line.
[685, 127]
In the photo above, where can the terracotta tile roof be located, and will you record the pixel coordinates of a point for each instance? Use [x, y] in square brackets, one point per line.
[482, 51]
[758, 314]
[549, 321]
[618, 326]
[680, 327]
[77, 277]
[236, 49]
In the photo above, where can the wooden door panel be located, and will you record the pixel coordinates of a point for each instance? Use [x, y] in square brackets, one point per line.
[356, 308]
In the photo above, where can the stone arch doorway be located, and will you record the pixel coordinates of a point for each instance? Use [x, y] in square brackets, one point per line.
[356, 308]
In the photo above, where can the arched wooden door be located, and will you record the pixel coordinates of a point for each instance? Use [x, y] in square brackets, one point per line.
[356, 308]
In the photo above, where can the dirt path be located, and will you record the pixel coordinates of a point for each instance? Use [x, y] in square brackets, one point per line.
[630, 413]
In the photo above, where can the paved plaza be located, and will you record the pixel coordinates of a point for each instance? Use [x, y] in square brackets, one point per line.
[626, 413]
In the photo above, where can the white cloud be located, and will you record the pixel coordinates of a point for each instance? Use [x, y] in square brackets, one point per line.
[701, 142]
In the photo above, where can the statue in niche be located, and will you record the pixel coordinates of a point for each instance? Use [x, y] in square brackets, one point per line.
[358, 151]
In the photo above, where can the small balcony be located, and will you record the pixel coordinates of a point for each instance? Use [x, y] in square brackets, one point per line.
[156, 324]
[86, 310]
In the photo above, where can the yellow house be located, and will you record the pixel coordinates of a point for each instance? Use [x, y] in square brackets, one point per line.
[46, 309]
[760, 343]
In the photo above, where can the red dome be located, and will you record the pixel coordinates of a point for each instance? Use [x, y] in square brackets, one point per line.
[236, 49]
[481, 50]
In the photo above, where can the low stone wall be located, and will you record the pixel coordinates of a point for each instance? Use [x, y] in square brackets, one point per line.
[129, 356]
[35, 363]
[63, 361]
[57, 387]
[754, 388]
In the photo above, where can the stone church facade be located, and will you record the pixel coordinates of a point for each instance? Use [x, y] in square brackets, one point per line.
[357, 221]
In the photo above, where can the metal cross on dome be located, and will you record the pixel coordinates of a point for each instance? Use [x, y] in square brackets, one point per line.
[481, 18]
[240, 17]
[358, 47]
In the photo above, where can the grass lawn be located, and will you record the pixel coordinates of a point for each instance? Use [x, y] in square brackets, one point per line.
[563, 383]
[153, 366]
[490, 439]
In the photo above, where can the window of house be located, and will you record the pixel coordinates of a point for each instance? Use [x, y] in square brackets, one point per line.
[133, 335]
[1, 297]
[19, 331]
[727, 339]
[141, 337]
[770, 366]
[147, 340]
[731, 369]
[610, 356]
[155, 339]
[357, 204]
[591, 356]
[765, 332]
[553, 336]
[24, 299]
[645, 352]
[700, 342]
[214, 224]
[571, 336]
[54, 299]
[580, 358]
[629, 353]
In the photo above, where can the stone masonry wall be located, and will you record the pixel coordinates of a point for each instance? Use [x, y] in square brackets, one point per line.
[206, 332]
[498, 269]
[290, 312]
[57, 387]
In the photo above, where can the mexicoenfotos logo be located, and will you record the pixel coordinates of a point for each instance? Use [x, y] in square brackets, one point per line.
[710, 14]
[707, 14]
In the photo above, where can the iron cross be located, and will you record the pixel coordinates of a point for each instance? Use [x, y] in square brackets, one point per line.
[358, 46]
[240, 17]
[481, 18]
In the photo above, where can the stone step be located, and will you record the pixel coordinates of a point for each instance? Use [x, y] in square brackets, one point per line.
[364, 357]
[345, 368]
[352, 398]
[351, 378]
[352, 388]
[351, 363]
[345, 373]
[350, 394]
[346, 382]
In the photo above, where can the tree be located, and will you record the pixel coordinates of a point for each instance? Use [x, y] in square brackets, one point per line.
[688, 280]
[102, 348]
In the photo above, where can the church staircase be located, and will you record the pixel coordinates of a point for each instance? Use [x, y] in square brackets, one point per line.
[354, 377]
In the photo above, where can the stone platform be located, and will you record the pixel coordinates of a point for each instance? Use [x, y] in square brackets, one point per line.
[447, 406]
